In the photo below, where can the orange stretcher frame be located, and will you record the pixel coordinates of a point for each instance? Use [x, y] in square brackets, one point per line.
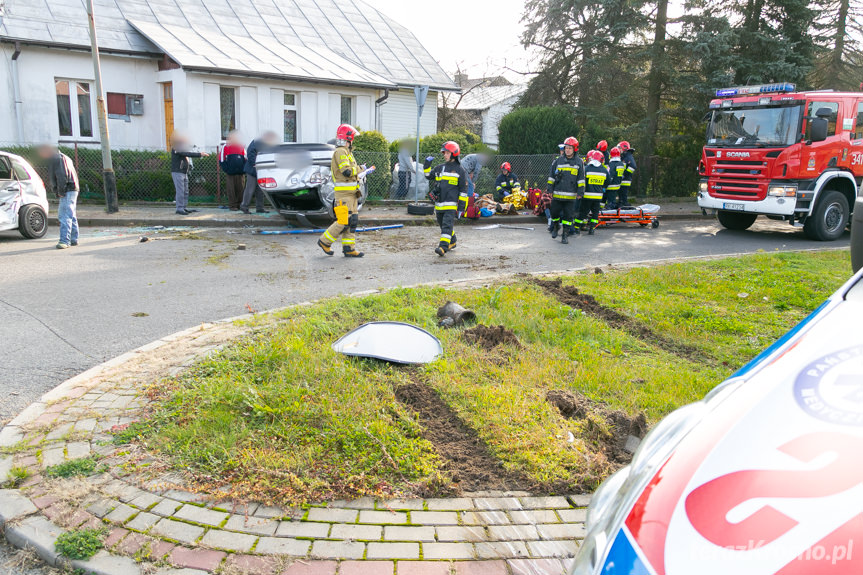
[642, 218]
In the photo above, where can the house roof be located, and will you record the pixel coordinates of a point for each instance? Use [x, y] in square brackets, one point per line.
[344, 41]
[484, 98]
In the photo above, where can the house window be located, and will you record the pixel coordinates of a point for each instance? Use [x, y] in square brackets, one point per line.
[290, 117]
[228, 110]
[347, 115]
[74, 121]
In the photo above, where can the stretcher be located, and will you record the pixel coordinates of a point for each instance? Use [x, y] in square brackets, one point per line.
[644, 215]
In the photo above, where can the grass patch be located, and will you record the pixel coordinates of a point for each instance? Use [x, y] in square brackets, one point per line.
[282, 418]
[73, 468]
[17, 475]
[80, 544]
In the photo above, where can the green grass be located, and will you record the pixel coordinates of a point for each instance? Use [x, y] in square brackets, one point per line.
[80, 544]
[72, 468]
[280, 417]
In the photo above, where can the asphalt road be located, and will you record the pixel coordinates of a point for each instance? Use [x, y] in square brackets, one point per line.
[62, 312]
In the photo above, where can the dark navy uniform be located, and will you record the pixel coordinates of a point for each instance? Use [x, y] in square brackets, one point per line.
[596, 176]
[504, 185]
[616, 171]
[628, 158]
[565, 184]
[450, 185]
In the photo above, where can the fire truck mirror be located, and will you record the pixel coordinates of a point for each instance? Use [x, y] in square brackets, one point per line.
[818, 127]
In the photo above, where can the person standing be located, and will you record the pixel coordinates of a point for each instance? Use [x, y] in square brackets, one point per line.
[627, 156]
[596, 176]
[602, 146]
[181, 165]
[505, 182]
[565, 184]
[268, 139]
[406, 165]
[452, 183]
[616, 170]
[346, 176]
[232, 162]
[63, 181]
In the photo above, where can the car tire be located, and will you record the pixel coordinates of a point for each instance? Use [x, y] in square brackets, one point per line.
[830, 218]
[32, 222]
[420, 209]
[736, 220]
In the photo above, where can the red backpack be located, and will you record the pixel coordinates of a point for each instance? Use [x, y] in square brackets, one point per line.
[472, 212]
[534, 198]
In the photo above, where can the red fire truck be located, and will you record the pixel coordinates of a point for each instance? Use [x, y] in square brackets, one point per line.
[792, 156]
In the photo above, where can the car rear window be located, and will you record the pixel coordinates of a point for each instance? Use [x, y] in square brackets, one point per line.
[20, 171]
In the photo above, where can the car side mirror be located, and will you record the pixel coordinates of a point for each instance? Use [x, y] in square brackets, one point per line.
[818, 129]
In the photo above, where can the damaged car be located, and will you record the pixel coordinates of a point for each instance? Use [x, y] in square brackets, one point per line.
[297, 180]
[23, 200]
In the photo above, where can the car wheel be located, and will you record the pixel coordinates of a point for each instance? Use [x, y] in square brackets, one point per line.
[32, 221]
[828, 221]
[420, 209]
[736, 220]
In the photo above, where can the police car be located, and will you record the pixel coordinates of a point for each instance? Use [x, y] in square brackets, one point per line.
[763, 476]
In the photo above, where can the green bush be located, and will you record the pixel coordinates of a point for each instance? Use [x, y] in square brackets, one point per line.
[371, 148]
[81, 544]
[432, 144]
[536, 130]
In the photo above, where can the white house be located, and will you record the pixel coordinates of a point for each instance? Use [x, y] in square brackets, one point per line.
[484, 106]
[300, 67]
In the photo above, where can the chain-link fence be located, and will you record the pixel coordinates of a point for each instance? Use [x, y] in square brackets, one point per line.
[145, 175]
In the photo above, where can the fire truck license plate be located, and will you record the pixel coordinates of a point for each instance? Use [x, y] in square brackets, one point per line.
[738, 207]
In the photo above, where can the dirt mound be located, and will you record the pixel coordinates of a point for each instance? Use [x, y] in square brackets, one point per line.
[468, 460]
[491, 337]
[571, 296]
[608, 429]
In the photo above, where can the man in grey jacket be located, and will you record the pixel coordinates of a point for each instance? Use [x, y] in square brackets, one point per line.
[63, 181]
[406, 168]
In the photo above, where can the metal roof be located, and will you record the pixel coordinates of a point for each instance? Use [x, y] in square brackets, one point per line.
[344, 41]
[483, 98]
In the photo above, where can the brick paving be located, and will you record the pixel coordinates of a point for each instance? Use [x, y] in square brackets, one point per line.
[153, 517]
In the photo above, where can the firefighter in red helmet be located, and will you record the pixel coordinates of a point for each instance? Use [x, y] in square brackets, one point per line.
[450, 186]
[616, 171]
[506, 182]
[596, 175]
[602, 146]
[627, 156]
[346, 177]
[565, 184]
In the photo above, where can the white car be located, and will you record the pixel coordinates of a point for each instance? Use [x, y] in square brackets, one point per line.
[23, 199]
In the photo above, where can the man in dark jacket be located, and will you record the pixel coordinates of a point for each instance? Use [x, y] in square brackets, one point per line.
[627, 156]
[566, 185]
[63, 181]
[506, 182]
[181, 165]
[451, 185]
[232, 162]
[267, 140]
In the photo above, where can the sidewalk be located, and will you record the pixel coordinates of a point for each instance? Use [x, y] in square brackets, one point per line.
[93, 215]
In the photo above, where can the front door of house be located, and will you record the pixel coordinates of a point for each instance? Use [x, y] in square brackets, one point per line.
[168, 97]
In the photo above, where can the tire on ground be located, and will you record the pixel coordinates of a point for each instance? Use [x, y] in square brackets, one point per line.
[736, 220]
[32, 221]
[829, 219]
[420, 209]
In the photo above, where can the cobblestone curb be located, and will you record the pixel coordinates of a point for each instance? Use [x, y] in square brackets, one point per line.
[153, 524]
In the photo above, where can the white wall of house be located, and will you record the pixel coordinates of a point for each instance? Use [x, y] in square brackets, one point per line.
[398, 117]
[38, 68]
[491, 118]
[259, 103]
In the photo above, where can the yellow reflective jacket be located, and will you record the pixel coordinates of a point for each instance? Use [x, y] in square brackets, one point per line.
[343, 160]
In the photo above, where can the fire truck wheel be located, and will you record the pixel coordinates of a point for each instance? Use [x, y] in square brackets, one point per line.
[828, 221]
[736, 220]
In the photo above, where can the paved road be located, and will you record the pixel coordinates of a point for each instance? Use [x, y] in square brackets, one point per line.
[62, 312]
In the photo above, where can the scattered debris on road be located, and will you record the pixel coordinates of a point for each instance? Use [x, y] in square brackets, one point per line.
[452, 314]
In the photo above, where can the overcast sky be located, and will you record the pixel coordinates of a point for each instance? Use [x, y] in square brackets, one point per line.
[482, 35]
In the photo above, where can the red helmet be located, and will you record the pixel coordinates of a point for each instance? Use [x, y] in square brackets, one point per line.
[614, 152]
[624, 146]
[347, 133]
[602, 145]
[451, 147]
[595, 155]
[570, 141]
[506, 167]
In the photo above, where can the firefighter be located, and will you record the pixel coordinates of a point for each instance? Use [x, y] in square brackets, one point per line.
[506, 182]
[565, 184]
[596, 175]
[346, 178]
[450, 187]
[616, 171]
[627, 156]
[602, 146]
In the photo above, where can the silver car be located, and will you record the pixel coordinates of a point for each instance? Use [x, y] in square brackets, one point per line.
[23, 200]
[297, 180]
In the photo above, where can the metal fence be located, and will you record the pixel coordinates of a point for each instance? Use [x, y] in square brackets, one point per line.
[145, 175]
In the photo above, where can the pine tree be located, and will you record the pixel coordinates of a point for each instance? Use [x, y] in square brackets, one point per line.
[838, 30]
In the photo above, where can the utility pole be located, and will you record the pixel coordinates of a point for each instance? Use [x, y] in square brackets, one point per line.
[108, 177]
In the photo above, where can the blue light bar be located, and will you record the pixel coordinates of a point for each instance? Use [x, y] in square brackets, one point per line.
[752, 90]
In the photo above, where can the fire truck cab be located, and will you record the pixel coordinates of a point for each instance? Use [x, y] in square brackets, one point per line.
[792, 156]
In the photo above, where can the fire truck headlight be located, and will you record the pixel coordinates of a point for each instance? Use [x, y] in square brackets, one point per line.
[782, 191]
[702, 186]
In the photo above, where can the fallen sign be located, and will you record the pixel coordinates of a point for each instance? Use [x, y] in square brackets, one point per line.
[322, 230]
[392, 341]
[505, 226]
